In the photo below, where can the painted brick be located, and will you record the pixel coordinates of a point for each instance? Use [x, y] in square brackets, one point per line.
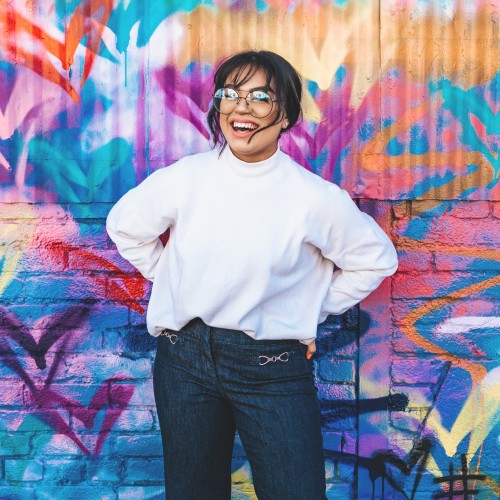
[401, 210]
[143, 445]
[335, 471]
[11, 393]
[59, 287]
[13, 290]
[337, 441]
[59, 444]
[408, 421]
[14, 444]
[496, 210]
[401, 344]
[425, 208]
[338, 491]
[14, 492]
[13, 211]
[101, 367]
[141, 492]
[414, 261]
[457, 263]
[134, 420]
[143, 396]
[93, 236]
[338, 343]
[55, 259]
[90, 210]
[137, 319]
[139, 470]
[130, 340]
[23, 470]
[93, 491]
[12, 235]
[11, 419]
[77, 394]
[64, 470]
[138, 287]
[333, 370]
[103, 468]
[105, 317]
[471, 209]
[99, 260]
[415, 371]
[474, 231]
[330, 391]
[418, 396]
[429, 285]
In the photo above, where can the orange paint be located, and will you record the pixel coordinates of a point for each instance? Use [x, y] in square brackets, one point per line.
[89, 19]
[412, 245]
[477, 371]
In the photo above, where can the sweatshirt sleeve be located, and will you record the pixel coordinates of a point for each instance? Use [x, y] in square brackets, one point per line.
[144, 213]
[356, 244]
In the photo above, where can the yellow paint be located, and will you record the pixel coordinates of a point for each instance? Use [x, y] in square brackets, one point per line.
[479, 415]
[317, 41]
[369, 38]
[242, 482]
[14, 239]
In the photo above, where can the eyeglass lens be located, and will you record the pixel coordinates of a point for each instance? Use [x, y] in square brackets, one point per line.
[259, 102]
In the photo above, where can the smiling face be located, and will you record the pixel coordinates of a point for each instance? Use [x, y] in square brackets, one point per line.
[240, 127]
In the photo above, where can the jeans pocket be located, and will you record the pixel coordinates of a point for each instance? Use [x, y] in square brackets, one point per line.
[262, 363]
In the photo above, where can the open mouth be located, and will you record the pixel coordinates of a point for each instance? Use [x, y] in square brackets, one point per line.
[244, 127]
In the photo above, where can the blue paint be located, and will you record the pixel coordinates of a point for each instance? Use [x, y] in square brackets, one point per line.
[337, 171]
[419, 143]
[11, 149]
[340, 76]
[312, 87]
[430, 182]
[419, 227]
[494, 88]
[318, 162]
[366, 131]
[460, 103]
[261, 6]
[150, 14]
[395, 147]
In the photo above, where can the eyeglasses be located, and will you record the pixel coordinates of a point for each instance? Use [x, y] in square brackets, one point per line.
[259, 102]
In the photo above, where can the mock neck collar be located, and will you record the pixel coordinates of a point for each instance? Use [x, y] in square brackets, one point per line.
[253, 169]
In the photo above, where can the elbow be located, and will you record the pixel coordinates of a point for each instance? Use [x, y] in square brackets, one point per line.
[391, 265]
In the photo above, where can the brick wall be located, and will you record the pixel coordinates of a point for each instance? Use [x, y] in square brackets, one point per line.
[76, 401]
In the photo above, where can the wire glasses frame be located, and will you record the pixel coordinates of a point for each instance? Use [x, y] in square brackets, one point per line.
[260, 104]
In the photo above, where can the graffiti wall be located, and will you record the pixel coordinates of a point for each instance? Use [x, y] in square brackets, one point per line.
[401, 109]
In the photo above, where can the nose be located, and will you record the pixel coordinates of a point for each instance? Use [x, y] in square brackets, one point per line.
[242, 105]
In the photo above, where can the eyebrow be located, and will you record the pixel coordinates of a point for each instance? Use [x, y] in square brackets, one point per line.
[264, 88]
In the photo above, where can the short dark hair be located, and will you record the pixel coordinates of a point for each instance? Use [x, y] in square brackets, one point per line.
[281, 77]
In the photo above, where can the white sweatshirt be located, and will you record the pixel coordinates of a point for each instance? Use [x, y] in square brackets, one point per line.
[252, 245]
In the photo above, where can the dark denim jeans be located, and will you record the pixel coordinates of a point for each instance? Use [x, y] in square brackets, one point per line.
[209, 382]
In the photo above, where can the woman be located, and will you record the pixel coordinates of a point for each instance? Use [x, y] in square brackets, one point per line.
[240, 287]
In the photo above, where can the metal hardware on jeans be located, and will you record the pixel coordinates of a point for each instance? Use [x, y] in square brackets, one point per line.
[170, 336]
[273, 359]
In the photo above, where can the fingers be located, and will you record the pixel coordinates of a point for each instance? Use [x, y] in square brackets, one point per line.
[311, 349]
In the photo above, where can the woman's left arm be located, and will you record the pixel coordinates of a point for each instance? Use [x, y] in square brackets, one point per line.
[360, 249]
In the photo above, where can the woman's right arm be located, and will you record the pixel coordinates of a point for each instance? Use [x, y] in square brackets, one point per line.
[137, 220]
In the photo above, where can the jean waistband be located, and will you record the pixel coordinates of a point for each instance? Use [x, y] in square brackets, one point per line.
[198, 328]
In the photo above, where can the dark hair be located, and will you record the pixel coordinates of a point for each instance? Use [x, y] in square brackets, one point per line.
[281, 78]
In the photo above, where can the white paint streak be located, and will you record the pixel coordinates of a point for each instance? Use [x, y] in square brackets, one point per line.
[465, 324]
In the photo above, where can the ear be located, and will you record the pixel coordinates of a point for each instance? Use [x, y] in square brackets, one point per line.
[285, 123]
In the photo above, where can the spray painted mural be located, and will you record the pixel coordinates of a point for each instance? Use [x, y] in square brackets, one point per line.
[401, 108]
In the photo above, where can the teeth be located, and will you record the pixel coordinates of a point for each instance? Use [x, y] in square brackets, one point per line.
[249, 126]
